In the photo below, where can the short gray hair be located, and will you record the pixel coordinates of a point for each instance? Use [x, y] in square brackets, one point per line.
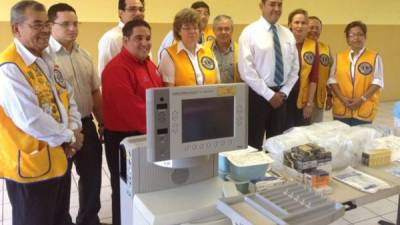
[222, 17]
[18, 10]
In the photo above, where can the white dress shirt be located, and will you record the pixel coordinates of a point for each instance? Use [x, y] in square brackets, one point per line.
[378, 73]
[78, 69]
[166, 66]
[110, 45]
[257, 58]
[20, 103]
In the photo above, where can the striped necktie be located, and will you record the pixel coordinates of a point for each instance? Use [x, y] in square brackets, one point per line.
[278, 79]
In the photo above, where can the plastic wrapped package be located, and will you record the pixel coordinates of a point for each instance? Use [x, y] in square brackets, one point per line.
[278, 144]
[361, 137]
[338, 144]
[390, 142]
[382, 131]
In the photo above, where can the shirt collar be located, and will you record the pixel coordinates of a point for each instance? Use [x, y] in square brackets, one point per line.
[121, 24]
[57, 47]
[359, 53]
[230, 49]
[25, 54]
[266, 24]
[181, 47]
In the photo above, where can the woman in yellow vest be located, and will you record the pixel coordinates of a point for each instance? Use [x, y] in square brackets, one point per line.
[187, 63]
[356, 79]
[301, 98]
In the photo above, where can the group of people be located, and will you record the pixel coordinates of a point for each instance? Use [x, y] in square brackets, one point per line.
[51, 92]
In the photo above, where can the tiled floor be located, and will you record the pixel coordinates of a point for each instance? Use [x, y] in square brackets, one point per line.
[366, 215]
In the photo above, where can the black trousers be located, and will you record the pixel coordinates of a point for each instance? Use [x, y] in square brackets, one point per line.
[112, 141]
[41, 203]
[263, 118]
[88, 166]
[294, 117]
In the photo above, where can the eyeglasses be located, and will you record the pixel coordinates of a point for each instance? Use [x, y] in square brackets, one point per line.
[134, 9]
[39, 26]
[190, 28]
[353, 35]
[66, 24]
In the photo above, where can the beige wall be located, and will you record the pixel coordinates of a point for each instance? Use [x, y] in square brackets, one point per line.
[382, 19]
[243, 11]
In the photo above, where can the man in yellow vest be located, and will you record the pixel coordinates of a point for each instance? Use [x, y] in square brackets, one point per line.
[356, 79]
[225, 49]
[323, 95]
[40, 125]
[206, 31]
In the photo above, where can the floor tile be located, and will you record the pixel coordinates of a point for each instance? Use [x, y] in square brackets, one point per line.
[359, 214]
[381, 207]
[390, 217]
[372, 221]
[340, 222]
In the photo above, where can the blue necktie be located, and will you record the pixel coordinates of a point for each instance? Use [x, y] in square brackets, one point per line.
[278, 79]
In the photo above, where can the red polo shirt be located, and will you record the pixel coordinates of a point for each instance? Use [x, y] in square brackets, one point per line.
[124, 84]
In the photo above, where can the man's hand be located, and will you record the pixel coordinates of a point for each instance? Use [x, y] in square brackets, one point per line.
[77, 145]
[277, 100]
[69, 152]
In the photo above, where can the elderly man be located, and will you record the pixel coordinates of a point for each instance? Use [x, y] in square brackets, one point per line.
[268, 63]
[225, 49]
[79, 71]
[40, 122]
[111, 42]
[323, 97]
[206, 34]
[124, 81]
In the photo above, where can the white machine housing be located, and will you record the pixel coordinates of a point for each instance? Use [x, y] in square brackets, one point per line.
[185, 122]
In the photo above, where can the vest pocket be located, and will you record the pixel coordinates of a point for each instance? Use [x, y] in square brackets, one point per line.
[34, 165]
[366, 109]
[338, 108]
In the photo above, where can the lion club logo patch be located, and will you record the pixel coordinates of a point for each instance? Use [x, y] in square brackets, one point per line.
[365, 68]
[210, 38]
[309, 58]
[207, 63]
[59, 78]
[324, 59]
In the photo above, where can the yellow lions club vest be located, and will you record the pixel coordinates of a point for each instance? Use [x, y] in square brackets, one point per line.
[23, 158]
[307, 60]
[236, 76]
[208, 34]
[184, 71]
[355, 88]
[325, 63]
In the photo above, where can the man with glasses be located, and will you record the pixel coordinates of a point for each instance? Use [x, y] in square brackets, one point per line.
[40, 124]
[206, 31]
[78, 68]
[111, 42]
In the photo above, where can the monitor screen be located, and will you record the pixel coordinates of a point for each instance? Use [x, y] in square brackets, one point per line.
[207, 118]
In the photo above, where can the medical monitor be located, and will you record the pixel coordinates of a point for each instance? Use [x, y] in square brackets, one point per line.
[184, 122]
